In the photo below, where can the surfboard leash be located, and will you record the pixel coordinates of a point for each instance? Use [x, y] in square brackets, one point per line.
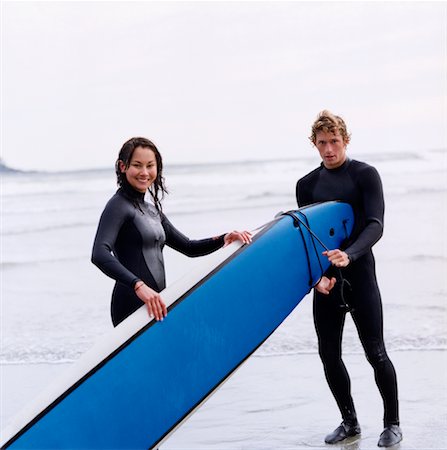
[296, 223]
[343, 281]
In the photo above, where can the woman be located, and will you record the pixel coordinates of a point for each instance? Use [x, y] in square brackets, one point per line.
[131, 234]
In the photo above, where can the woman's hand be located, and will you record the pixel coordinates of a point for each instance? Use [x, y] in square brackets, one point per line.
[337, 258]
[155, 304]
[243, 236]
[325, 285]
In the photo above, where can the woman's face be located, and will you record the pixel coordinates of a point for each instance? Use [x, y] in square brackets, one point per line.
[142, 170]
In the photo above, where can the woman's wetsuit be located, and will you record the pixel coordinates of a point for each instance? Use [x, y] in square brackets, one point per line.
[358, 184]
[128, 248]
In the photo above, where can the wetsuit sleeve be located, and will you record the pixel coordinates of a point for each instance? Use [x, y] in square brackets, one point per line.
[372, 197]
[178, 241]
[103, 257]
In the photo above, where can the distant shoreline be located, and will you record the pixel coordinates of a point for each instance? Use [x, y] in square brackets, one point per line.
[373, 157]
[5, 169]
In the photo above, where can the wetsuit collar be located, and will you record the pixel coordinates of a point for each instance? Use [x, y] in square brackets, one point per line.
[131, 193]
[338, 169]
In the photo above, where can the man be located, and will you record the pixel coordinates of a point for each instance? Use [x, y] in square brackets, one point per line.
[359, 184]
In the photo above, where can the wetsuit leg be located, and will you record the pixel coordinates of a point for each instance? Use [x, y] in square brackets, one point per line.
[329, 321]
[124, 303]
[368, 319]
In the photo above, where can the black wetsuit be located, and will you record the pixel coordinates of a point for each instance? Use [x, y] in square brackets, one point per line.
[358, 184]
[128, 247]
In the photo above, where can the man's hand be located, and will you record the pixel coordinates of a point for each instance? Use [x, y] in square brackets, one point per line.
[337, 257]
[325, 285]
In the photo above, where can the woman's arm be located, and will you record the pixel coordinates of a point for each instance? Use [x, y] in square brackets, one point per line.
[110, 223]
[178, 241]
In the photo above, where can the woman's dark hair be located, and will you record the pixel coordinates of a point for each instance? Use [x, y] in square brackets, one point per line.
[157, 190]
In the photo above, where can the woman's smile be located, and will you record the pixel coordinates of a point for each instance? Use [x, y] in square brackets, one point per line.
[142, 169]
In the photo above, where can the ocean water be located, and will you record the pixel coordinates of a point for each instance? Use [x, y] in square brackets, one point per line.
[55, 303]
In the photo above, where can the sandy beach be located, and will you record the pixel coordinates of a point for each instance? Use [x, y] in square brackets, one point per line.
[282, 402]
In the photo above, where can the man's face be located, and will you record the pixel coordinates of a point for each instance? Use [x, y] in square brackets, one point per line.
[332, 148]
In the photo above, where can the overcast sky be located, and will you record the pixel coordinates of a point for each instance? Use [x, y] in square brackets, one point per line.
[217, 81]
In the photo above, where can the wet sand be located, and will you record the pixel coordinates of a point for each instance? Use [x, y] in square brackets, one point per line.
[283, 402]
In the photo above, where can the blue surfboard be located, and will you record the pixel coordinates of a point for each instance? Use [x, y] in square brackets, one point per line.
[145, 378]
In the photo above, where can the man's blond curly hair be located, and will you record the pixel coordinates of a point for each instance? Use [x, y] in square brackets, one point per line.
[328, 122]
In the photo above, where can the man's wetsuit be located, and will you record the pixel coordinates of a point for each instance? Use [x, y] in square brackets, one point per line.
[128, 248]
[358, 184]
